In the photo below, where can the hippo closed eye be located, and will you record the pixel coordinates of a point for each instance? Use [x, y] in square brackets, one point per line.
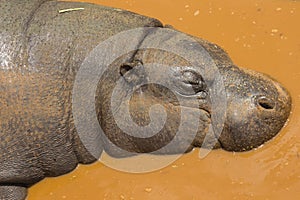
[41, 53]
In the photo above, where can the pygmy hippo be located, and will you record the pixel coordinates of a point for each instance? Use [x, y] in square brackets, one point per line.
[43, 45]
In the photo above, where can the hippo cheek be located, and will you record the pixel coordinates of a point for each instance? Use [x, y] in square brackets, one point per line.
[150, 123]
[184, 127]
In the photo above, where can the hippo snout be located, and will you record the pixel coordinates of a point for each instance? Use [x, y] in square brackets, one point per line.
[258, 107]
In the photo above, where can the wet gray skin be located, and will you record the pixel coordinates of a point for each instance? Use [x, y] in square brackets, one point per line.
[40, 55]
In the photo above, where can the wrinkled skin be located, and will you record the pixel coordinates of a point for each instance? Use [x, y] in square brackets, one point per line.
[41, 52]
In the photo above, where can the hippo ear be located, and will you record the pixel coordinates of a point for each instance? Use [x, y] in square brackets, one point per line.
[125, 67]
[133, 72]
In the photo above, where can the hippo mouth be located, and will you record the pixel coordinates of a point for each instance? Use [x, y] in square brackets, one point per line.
[204, 138]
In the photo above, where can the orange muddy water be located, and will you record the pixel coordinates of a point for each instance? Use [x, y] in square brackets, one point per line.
[261, 35]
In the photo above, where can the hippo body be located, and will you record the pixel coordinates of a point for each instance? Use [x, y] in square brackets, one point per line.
[41, 52]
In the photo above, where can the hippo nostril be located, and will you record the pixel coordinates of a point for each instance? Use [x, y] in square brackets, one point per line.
[265, 103]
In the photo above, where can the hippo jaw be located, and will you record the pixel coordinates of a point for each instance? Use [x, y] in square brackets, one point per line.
[257, 109]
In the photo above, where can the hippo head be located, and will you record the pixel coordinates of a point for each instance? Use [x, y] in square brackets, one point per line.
[257, 108]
